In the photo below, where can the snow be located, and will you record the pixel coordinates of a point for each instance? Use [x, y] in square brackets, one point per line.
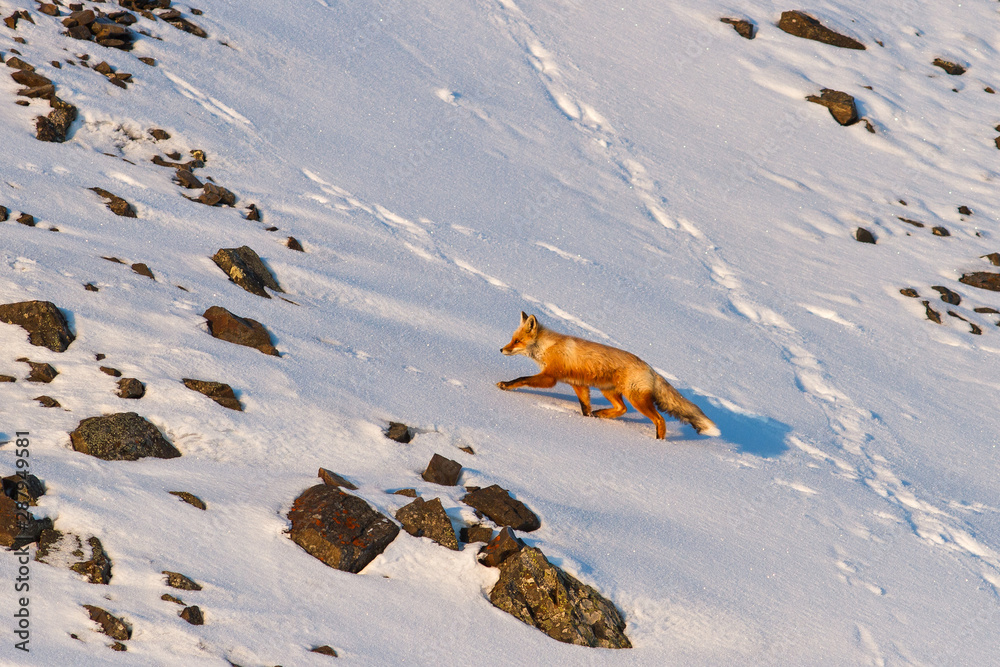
[638, 175]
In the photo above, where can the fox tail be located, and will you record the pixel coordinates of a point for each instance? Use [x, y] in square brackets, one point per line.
[669, 400]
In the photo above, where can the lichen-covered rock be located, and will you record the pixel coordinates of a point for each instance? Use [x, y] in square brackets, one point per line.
[193, 615]
[540, 594]
[123, 436]
[442, 471]
[45, 324]
[40, 372]
[17, 525]
[60, 549]
[428, 519]
[219, 392]
[181, 582]
[226, 326]
[131, 388]
[802, 25]
[97, 569]
[500, 548]
[243, 266]
[496, 503]
[339, 529]
[55, 126]
[112, 626]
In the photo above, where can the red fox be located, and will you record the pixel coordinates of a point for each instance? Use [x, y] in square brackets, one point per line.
[584, 364]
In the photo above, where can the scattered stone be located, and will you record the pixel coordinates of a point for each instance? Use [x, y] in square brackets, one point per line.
[947, 295]
[293, 244]
[324, 650]
[500, 548]
[802, 25]
[54, 127]
[8, 378]
[974, 328]
[23, 488]
[4, 214]
[242, 331]
[147, 60]
[540, 594]
[333, 479]
[193, 615]
[841, 105]
[40, 372]
[477, 533]
[181, 582]
[49, 9]
[17, 63]
[167, 597]
[143, 270]
[118, 646]
[45, 324]
[253, 213]
[131, 388]
[965, 210]
[48, 402]
[940, 231]
[123, 436]
[428, 519]
[91, 287]
[496, 503]
[213, 195]
[26, 219]
[987, 310]
[219, 392]
[112, 626]
[442, 471]
[909, 291]
[864, 236]
[113, 372]
[399, 432]
[468, 450]
[97, 570]
[951, 68]
[994, 258]
[990, 90]
[30, 78]
[910, 222]
[116, 204]
[409, 493]
[158, 134]
[339, 529]
[742, 26]
[186, 179]
[190, 499]
[932, 314]
[18, 526]
[187, 26]
[982, 280]
[869, 126]
[244, 267]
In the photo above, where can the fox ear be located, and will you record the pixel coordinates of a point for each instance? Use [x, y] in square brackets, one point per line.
[532, 323]
[524, 316]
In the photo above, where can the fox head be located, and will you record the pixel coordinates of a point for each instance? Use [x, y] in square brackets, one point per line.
[524, 337]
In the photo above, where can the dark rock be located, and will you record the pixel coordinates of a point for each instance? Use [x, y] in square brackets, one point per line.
[974, 328]
[864, 236]
[147, 60]
[131, 388]
[80, 32]
[399, 432]
[987, 310]
[113, 372]
[909, 291]
[951, 68]
[17, 63]
[219, 392]
[477, 533]
[442, 471]
[26, 219]
[112, 626]
[214, 195]
[293, 244]
[38, 92]
[911, 222]
[124, 436]
[253, 213]
[802, 25]
[118, 646]
[143, 270]
[17, 525]
[188, 27]
[333, 479]
[965, 210]
[932, 314]
[468, 450]
[242, 331]
[742, 26]
[982, 280]
[167, 597]
[186, 179]
[23, 488]
[53, 128]
[243, 266]
[179, 581]
[497, 504]
[193, 615]
[190, 499]
[4, 214]
[339, 529]
[30, 78]
[324, 650]
[841, 105]
[409, 493]
[940, 231]
[45, 324]
[994, 258]
[428, 519]
[540, 594]
[500, 548]
[48, 402]
[116, 204]
[158, 134]
[8, 378]
[91, 287]
[97, 570]
[40, 372]
[947, 295]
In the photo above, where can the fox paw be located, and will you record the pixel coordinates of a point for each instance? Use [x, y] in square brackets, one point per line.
[503, 385]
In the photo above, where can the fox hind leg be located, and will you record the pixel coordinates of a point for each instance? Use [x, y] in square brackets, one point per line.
[644, 403]
[618, 405]
[583, 393]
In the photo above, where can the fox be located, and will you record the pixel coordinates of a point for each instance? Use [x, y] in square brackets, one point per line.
[583, 364]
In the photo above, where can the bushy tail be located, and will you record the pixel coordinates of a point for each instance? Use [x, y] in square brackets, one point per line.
[669, 400]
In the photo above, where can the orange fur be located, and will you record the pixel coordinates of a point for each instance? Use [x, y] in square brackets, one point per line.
[616, 373]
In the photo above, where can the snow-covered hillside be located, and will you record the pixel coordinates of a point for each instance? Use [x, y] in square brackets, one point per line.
[635, 173]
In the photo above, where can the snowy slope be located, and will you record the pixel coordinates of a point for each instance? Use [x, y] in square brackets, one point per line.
[636, 175]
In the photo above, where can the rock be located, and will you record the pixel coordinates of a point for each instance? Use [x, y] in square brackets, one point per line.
[864, 236]
[947, 295]
[841, 105]
[181, 582]
[23, 488]
[973, 328]
[536, 592]
[48, 402]
[91, 287]
[932, 314]
[324, 650]
[242, 331]
[293, 244]
[186, 179]
[131, 388]
[8, 378]
[49, 9]
[116, 204]
[244, 267]
[148, 61]
[477, 533]
[143, 270]
[97, 570]
[428, 519]
[113, 372]
[157, 133]
[442, 471]
[994, 258]
[66, 550]
[30, 78]
[17, 63]
[911, 222]
[964, 210]
[45, 324]
[219, 392]
[123, 436]
[909, 291]
[167, 597]
[40, 372]
[26, 219]
[333, 479]
[193, 615]
[399, 432]
[468, 450]
[253, 213]
[982, 280]
[951, 68]
[802, 25]
[214, 195]
[409, 493]
[940, 231]
[55, 126]
[339, 529]
[500, 548]
[987, 310]
[112, 626]
[4, 214]
[188, 27]
[496, 503]
[190, 499]
[743, 27]
[17, 525]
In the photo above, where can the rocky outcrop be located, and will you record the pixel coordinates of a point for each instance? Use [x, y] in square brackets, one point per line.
[239, 330]
[802, 25]
[496, 503]
[339, 529]
[442, 471]
[428, 519]
[124, 436]
[982, 280]
[219, 392]
[45, 324]
[243, 266]
[841, 105]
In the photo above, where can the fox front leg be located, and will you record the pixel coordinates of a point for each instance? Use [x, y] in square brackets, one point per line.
[541, 381]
